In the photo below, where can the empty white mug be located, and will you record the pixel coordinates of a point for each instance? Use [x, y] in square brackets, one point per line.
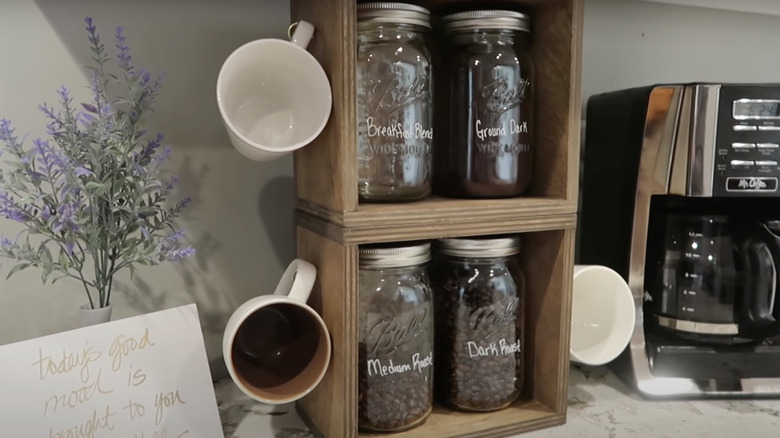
[277, 348]
[273, 95]
[603, 315]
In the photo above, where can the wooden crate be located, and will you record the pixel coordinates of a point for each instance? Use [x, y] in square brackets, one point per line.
[331, 224]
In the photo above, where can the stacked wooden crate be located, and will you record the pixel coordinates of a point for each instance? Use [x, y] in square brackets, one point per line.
[331, 223]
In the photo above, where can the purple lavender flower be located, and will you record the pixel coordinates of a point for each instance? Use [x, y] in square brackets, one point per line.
[5, 242]
[94, 38]
[181, 205]
[65, 98]
[179, 253]
[65, 220]
[6, 131]
[171, 184]
[9, 209]
[123, 52]
[149, 150]
[82, 171]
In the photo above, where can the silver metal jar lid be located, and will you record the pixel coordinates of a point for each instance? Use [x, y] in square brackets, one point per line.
[392, 12]
[395, 256]
[494, 19]
[479, 247]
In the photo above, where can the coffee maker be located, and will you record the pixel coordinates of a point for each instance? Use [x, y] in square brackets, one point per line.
[679, 194]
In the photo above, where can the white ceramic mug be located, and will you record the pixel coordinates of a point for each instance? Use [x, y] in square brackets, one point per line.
[277, 348]
[603, 315]
[273, 95]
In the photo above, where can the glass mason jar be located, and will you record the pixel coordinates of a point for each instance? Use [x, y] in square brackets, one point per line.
[395, 351]
[394, 103]
[478, 306]
[483, 89]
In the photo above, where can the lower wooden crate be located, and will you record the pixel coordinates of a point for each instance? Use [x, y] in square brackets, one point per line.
[547, 261]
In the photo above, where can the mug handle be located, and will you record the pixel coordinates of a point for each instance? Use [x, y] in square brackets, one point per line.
[302, 34]
[297, 280]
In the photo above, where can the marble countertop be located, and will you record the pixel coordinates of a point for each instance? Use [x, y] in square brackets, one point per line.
[600, 405]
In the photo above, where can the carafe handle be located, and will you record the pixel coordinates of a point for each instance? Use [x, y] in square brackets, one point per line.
[760, 284]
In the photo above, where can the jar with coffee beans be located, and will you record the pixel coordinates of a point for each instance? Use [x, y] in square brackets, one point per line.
[478, 293]
[395, 350]
[394, 108]
[483, 144]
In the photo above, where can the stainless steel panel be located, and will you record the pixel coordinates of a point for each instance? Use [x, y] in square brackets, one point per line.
[654, 174]
[703, 136]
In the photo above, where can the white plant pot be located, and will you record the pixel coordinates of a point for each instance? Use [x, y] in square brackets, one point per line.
[89, 316]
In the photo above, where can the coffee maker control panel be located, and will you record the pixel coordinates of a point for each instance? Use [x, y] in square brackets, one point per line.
[747, 155]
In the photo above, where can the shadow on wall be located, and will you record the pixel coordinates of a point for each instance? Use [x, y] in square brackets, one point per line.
[188, 40]
[276, 205]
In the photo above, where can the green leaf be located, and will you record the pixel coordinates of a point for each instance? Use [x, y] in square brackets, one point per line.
[17, 268]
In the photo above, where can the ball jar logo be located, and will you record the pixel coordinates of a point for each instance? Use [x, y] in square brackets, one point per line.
[499, 96]
[390, 334]
[395, 93]
[487, 320]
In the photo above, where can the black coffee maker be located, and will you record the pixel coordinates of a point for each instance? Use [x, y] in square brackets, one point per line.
[679, 194]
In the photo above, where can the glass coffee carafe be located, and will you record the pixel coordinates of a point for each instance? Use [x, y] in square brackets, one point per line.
[716, 279]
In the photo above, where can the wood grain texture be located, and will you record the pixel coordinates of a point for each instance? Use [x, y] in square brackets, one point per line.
[439, 210]
[331, 223]
[518, 418]
[554, 51]
[399, 231]
[548, 261]
[326, 169]
[331, 408]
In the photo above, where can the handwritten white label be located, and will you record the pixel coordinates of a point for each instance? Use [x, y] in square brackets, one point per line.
[398, 130]
[417, 363]
[492, 349]
[513, 127]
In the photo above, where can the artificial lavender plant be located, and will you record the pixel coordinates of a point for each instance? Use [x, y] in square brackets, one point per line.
[91, 198]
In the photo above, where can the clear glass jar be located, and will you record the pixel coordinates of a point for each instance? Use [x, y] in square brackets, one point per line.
[484, 119]
[394, 103]
[395, 351]
[478, 306]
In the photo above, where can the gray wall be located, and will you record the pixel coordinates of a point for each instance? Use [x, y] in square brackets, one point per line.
[242, 217]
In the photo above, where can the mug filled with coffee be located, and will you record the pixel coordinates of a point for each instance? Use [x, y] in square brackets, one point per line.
[276, 347]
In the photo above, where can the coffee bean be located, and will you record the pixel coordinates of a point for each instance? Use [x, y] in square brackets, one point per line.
[478, 329]
[395, 353]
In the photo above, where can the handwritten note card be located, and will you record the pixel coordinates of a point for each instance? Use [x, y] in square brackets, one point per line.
[140, 377]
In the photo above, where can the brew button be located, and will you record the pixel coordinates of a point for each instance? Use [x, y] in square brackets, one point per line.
[743, 145]
[741, 163]
[768, 145]
[766, 163]
[769, 128]
[745, 127]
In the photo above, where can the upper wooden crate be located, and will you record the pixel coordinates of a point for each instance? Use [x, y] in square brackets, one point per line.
[326, 170]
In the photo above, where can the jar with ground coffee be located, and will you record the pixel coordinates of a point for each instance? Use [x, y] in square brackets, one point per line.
[395, 350]
[478, 295]
[484, 126]
[394, 108]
